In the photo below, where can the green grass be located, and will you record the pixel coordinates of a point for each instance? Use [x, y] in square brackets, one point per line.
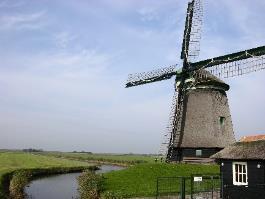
[11, 161]
[140, 180]
[112, 158]
[16, 160]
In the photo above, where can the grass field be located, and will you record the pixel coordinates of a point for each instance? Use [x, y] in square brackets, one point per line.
[140, 180]
[11, 161]
[112, 158]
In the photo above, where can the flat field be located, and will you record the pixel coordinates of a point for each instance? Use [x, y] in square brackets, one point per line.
[112, 158]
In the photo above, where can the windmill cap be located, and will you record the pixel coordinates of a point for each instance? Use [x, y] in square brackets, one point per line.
[205, 78]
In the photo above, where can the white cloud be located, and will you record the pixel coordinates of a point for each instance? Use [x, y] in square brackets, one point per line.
[21, 21]
[80, 98]
[63, 39]
[57, 63]
[148, 14]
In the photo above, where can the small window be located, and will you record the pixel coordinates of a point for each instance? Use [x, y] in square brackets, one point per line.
[222, 121]
[198, 153]
[240, 173]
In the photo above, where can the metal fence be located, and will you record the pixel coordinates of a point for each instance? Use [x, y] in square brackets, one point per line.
[193, 187]
[171, 187]
[206, 186]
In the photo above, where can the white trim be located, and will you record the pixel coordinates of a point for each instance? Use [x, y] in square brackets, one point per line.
[237, 182]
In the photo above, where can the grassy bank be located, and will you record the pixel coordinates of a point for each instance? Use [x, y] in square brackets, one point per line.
[126, 159]
[140, 180]
[35, 164]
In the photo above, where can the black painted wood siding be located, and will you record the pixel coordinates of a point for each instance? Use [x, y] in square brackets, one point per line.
[256, 180]
[179, 154]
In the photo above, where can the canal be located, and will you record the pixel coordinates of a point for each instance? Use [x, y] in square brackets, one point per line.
[62, 186]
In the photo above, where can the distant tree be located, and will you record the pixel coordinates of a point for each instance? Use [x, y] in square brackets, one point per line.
[30, 150]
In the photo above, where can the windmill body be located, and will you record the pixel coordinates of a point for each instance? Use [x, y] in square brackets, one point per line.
[206, 121]
[200, 121]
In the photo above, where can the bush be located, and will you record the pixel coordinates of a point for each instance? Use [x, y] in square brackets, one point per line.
[4, 184]
[90, 185]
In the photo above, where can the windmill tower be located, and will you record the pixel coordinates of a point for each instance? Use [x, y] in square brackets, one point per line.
[200, 121]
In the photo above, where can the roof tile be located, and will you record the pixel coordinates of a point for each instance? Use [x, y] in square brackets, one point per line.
[252, 138]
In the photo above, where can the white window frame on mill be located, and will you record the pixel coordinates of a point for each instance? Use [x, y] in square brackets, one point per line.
[198, 153]
[240, 173]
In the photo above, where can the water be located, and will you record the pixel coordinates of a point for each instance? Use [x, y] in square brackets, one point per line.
[63, 186]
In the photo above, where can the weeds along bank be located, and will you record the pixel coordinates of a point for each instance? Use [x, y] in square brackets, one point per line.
[17, 169]
[135, 181]
[20, 178]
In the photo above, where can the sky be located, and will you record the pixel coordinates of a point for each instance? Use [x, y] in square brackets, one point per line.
[64, 65]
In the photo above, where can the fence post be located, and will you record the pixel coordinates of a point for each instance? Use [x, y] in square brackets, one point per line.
[212, 185]
[191, 186]
[222, 185]
[157, 188]
[183, 188]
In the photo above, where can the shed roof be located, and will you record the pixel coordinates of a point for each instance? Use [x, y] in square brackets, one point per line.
[254, 150]
[252, 138]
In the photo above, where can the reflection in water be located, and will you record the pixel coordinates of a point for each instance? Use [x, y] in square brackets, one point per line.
[107, 168]
[63, 186]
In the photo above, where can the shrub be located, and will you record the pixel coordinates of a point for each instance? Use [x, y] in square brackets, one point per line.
[90, 185]
[19, 180]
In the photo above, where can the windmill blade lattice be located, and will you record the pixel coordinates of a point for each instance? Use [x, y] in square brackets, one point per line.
[238, 68]
[175, 125]
[166, 137]
[196, 30]
[152, 76]
[234, 64]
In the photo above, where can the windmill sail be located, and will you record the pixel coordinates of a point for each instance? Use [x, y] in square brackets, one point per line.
[167, 136]
[152, 76]
[234, 64]
[239, 67]
[196, 30]
[187, 30]
[192, 32]
[176, 128]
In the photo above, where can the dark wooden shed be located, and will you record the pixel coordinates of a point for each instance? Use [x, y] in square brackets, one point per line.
[242, 167]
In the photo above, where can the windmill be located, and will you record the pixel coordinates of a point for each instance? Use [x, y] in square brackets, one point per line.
[200, 121]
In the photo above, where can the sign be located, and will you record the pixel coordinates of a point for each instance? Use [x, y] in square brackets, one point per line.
[197, 179]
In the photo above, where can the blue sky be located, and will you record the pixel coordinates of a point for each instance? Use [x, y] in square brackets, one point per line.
[64, 65]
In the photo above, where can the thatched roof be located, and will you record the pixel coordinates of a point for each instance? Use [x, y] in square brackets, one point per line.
[243, 150]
